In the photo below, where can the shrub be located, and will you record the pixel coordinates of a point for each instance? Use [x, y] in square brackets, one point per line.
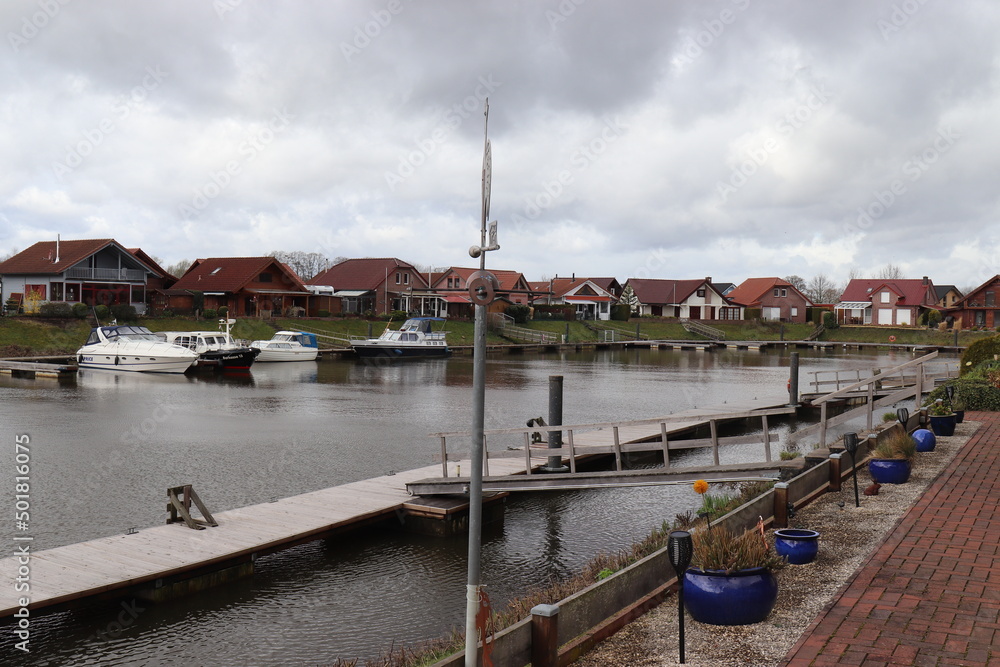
[518, 312]
[55, 309]
[621, 312]
[397, 316]
[982, 350]
[931, 318]
[830, 320]
[102, 312]
[81, 310]
[223, 311]
[323, 313]
[167, 312]
[209, 314]
[123, 312]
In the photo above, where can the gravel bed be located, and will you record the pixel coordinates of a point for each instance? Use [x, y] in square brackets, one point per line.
[848, 535]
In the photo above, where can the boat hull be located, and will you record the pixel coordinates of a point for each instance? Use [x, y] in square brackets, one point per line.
[305, 354]
[134, 363]
[229, 360]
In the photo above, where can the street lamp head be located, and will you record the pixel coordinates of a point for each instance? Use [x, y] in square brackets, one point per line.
[475, 251]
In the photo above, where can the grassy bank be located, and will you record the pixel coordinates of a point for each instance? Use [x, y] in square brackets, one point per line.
[33, 336]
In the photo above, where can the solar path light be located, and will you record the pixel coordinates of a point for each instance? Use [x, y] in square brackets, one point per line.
[680, 548]
[903, 415]
[851, 445]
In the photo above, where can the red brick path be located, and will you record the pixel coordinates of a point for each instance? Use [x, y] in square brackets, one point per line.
[930, 594]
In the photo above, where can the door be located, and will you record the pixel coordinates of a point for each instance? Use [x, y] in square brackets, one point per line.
[695, 312]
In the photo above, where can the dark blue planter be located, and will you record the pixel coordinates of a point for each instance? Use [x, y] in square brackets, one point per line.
[740, 598]
[798, 546]
[959, 416]
[925, 440]
[889, 471]
[943, 425]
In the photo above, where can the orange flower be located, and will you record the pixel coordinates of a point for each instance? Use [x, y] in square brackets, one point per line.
[700, 487]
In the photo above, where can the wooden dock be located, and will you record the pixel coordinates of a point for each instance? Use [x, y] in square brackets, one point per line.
[35, 369]
[162, 561]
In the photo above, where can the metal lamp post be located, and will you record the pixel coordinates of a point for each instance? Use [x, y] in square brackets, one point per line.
[851, 445]
[680, 547]
[482, 286]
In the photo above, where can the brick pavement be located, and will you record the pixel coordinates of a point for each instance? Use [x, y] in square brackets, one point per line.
[930, 594]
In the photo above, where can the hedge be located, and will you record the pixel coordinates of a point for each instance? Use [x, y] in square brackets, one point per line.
[986, 349]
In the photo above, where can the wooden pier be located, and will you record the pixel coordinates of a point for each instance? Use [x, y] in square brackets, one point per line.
[35, 369]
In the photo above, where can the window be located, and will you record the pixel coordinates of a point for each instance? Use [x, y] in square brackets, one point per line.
[701, 292]
[72, 292]
[215, 270]
[397, 279]
[38, 290]
[885, 297]
[777, 292]
[264, 278]
[57, 291]
[784, 292]
[406, 278]
[990, 298]
[795, 311]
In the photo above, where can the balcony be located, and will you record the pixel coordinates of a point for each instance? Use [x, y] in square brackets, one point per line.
[119, 275]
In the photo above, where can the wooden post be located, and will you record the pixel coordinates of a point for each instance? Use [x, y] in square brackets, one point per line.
[780, 505]
[486, 458]
[545, 635]
[767, 439]
[666, 444]
[715, 441]
[918, 388]
[871, 403]
[835, 471]
[444, 456]
[618, 451]
[527, 454]
[822, 424]
[572, 451]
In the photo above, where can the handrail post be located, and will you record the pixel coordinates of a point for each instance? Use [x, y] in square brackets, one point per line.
[715, 441]
[527, 454]
[918, 386]
[780, 510]
[665, 441]
[444, 456]
[545, 635]
[871, 404]
[822, 424]
[835, 471]
[618, 451]
[767, 439]
[572, 450]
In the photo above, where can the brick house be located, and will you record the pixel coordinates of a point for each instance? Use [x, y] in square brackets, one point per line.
[886, 302]
[776, 298]
[980, 308]
[90, 271]
[248, 286]
[591, 300]
[378, 286]
[451, 288]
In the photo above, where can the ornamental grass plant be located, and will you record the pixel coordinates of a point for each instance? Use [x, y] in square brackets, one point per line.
[720, 550]
[897, 445]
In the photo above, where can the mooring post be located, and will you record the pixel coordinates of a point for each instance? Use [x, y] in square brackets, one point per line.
[555, 463]
[835, 471]
[545, 635]
[793, 379]
[781, 505]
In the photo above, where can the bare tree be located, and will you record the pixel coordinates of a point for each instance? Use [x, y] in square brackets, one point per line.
[890, 272]
[305, 264]
[176, 269]
[798, 282]
[823, 290]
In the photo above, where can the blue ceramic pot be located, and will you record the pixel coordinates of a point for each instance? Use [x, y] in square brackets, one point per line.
[889, 471]
[797, 545]
[740, 598]
[959, 416]
[925, 440]
[943, 425]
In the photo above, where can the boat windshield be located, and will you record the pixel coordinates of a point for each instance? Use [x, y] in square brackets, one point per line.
[128, 333]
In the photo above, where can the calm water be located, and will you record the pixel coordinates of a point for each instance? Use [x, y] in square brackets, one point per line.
[104, 451]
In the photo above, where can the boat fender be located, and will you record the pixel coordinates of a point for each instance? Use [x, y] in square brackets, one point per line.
[79, 359]
[116, 360]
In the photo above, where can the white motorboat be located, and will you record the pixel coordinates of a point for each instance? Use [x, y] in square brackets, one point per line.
[414, 339]
[287, 346]
[215, 348]
[133, 348]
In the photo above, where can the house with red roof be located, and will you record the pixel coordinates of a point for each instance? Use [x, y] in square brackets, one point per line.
[248, 286]
[378, 286]
[893, 302]
[90, 271]
[979, 308]
[452, 288]
[591, 300]
[685, 299]
[776, 298]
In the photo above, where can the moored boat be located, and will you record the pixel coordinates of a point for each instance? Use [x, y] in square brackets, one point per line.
[412, 340]
[132, 348]
[215, 349]
[287, 346]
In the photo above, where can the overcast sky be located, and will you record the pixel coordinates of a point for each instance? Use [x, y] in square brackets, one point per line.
[731, 139]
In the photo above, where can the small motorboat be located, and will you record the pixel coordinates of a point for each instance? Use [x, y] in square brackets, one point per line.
[412, 340]
[133, 348]
[216, 349]
[287, 346]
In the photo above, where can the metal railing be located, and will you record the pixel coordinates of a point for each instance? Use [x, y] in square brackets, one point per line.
[504, 325]
[613, 333]
[105, 274]
[703, 330]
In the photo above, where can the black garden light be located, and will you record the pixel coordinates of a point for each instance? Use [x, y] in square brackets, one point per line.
[851, 445]
[680, 548]
[903, 415]
[949, 391]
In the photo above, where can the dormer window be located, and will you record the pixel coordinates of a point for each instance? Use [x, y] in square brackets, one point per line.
[885, 297]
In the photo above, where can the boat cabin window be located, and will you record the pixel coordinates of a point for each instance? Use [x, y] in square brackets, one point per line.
[128, 333]
[94, 338]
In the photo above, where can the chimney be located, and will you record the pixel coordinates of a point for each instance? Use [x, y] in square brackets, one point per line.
[574, 276]
[708, 279]
[926, 281]
[57, 249]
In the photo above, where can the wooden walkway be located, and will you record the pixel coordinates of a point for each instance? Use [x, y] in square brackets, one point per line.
[33, 369]
[173, 553]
